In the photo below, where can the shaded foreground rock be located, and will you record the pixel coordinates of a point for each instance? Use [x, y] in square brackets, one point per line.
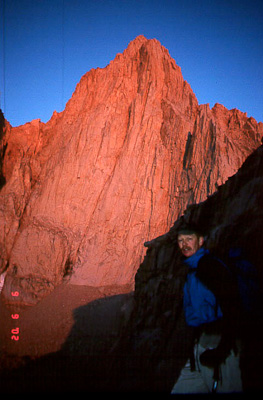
[157, 333]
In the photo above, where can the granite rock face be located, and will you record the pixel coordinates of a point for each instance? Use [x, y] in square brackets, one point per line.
[132, 149]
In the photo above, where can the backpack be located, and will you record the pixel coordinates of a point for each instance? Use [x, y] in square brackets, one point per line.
[246, 276]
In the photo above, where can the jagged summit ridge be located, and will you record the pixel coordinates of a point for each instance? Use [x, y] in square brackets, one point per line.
[130, 151]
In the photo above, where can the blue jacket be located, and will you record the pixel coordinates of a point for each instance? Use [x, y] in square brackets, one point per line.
[200, 304]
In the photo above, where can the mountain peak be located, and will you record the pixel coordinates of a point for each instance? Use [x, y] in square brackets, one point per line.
[152, 45]
[129, 153]
[139, 41]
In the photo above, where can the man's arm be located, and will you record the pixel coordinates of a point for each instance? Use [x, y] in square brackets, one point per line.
[219, 279]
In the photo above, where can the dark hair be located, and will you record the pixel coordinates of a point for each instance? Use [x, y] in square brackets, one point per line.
[189, 229]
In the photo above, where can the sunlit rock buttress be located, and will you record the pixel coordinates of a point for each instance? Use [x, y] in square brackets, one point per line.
[132, 149]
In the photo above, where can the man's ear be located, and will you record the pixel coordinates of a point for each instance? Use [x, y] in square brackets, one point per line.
[201, 241]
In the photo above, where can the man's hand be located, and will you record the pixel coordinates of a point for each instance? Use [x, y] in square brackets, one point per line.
[213, 357]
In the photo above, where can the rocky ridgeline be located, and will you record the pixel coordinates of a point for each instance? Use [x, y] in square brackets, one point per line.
[132, 149]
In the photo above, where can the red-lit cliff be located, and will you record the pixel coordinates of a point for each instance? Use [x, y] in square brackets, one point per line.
[132, 149]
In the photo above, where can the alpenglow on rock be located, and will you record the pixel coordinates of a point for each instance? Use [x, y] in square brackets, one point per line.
[132, 149]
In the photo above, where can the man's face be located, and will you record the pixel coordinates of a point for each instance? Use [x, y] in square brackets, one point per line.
[189, 243]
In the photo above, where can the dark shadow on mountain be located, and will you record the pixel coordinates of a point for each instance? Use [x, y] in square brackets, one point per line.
[84, 364]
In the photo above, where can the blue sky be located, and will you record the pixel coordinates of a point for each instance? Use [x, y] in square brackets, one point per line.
[48, 45]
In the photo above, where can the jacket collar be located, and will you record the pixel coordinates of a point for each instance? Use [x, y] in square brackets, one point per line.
[192, 261]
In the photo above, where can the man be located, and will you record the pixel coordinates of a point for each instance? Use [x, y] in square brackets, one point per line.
[210, 306]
